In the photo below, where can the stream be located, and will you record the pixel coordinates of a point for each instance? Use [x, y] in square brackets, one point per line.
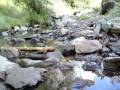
[94, 81]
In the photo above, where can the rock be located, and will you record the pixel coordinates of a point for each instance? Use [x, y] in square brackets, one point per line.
[21, 77]
[54, 78]
[105, 25]
[23, 28]
[36, 56]
[5, 34]
[38, 63]
[107, 5]
[81, 83]
[91, 66]
[17, 41]
[91, 58]
[4, 65]
[34, 41]
[115, 46]
[97, 30]
[112, 55]
[55, 56]
[116, 28]
[4, 87]
[10, 53]
[17, 28]
[28, 62]
[67, 49]
[66, 66]
[86, 33]
[83, 45]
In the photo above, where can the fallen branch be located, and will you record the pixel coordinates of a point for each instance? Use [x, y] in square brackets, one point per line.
[42, 49]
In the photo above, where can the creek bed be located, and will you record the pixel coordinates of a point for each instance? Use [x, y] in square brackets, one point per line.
[94, 81]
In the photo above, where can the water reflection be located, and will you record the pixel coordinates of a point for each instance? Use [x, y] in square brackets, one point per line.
[78, 79]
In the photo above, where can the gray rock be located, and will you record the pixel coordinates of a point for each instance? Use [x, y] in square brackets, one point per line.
[116, 28]
[9, 52]
[34, 41]
[54, 78]
[115, 47]
[67, 49]
[20, 77]
[36, 56]
[91, 58]
[55, 56]
[3, 87]
[112, 55]
[17, 41]
[86, 33]
[66, 65]
[5, 64]
[83, 45]
[97, 30]
[92, 66]
[28, 62]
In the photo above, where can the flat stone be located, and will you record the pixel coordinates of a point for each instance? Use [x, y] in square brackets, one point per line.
[9, 52]
[55, 56]
[20, 77]
[83, 45]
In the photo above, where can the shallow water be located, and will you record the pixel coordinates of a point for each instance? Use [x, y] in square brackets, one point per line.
[100, 82]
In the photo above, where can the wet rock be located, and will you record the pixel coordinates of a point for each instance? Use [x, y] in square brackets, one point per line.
[91, 66]
[20, 77]
[66, 65]
[54, 78]
[4, 87]
[4, 65]
[9, 52]
[81, 83]
[36, 56]
[67, 49]
[83, 45]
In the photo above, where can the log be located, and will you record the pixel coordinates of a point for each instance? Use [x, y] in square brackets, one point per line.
[42, 49]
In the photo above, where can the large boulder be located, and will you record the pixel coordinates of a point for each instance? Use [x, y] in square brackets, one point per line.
[9, 52]
[5, 64]
[83, 45]
[20, 77]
